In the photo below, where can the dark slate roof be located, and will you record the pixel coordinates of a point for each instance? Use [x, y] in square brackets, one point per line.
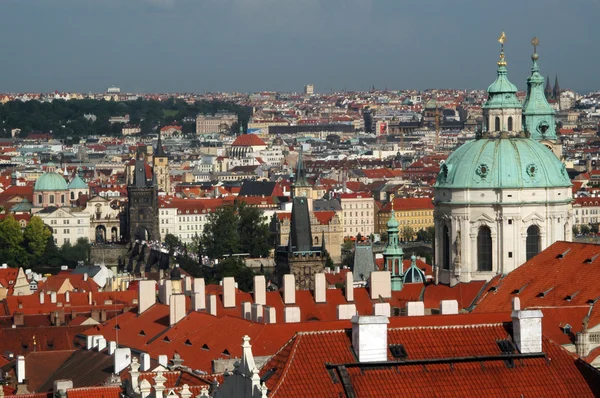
[327, 205]
[364, 262]
[300, 226]
[257, 188]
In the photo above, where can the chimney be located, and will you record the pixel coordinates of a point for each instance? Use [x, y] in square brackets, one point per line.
[382, 309]
[448, 307]
[67, 296]
[380, 283]
[122, 359]
[165, 291]
[212, 304]
[198, 301]
[291, 314]
[289, 289]
[134, 373]
[337, 269]
[85, 277]
[270, 315]
[349, 286]
[42, 297]
[247, 310]
[90, 301]
[257, 313]
[369, 338]
[187, 285]
[53, 297]
[527, 328]
[144, 362]
[176, 308]
[146, 295]
[112, 347]
[346, 311]
[320, 288]
[19, 319]
[101, 345]
[92, 341]
[198, 286]
[20, 369]
[229, 292]
[60, 387]
[415, 308]
[163, 361]
[260, 290]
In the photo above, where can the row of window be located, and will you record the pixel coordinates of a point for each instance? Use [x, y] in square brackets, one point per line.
[358, 205]
[362, 214]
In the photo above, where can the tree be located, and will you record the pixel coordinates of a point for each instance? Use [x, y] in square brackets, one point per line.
[51, 256]
[11, 240]
[575, 230]
[253, 231]
[348, 253]
[36, 236]
[220, 236]
[234, 266]
[172, 243]
[408, 232]
[594, 228]
[72, 254]
[585, 229]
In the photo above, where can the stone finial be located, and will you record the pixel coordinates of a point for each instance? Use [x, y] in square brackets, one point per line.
[159, 387]
[185, 392]
[203, 393]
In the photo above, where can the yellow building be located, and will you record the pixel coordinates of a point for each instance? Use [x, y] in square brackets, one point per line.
[413, 215]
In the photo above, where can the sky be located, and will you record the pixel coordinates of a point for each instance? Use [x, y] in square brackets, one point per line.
[281, 45]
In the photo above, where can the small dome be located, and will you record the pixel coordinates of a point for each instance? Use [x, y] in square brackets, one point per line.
[392, 222]
[50, 181]
[413, 274]
[497, 163]
[77, 183]
[175, 274]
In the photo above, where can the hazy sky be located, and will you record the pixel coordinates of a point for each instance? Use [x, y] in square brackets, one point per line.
[251, 45]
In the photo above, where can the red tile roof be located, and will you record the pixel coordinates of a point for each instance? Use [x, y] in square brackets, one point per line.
[248, 140]
[94, 392]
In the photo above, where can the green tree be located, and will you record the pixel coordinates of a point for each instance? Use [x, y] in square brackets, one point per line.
[51, 256]
[72, 254]
[220, 236]
[575, 230]
[594, 228]
[407, 233]
[11, 241]
[234, 266]
[36, 236]
[253, 231]
[172, 243]
[348, 253]
[585, 229]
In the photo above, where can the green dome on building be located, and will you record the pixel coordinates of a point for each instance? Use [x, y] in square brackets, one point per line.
[50, 181]
[77, 183]
[503, 162]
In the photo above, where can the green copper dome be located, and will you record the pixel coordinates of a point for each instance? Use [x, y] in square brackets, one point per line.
[497, 163]
[50, 181]
[537, 112]
[501, 93]
[77, 183]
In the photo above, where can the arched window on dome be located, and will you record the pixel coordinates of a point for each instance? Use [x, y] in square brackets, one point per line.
[497, 124]
[484, 249]
[445, 248]
[510, 123]
[532, 244]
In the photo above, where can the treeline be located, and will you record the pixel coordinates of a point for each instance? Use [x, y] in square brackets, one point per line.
[68, 118]
[34, 246]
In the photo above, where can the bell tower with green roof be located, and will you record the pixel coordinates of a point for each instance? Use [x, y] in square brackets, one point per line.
[538, 115]
[393, 254]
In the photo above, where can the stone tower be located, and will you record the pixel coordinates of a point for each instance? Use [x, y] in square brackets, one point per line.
[161, 167]
[538, 115]
[142, 205]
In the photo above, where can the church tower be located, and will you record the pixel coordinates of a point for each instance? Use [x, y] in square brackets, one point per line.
[161, 167]
[142, 203]
[538, 115]
[393, 254]
[301, 186]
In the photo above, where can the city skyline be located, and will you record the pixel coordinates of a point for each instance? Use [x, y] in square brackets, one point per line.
[255, 45]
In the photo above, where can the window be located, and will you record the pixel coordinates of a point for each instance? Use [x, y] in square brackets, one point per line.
[72, 195]
[510, 123]
[532, 243]
[445, 248]
[40, 199]
[51, 198]
[484, 249]
[497, 124]
[62, 198]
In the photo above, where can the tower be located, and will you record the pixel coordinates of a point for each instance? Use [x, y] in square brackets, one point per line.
[548, 88]
[393, 254]
[500, 199]
[538, 115]
[556, 90]
[142, 204]
[161, 167]
[301, 186]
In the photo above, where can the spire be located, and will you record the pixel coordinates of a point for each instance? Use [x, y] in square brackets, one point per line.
[502, 92]
[556, 90]
[159, 153]
[548, 88]
[300, 172]
[393, 254]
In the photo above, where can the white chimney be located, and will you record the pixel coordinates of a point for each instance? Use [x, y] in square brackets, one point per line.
[382, 309]
[112, 347]
[415, 308]
[42, 297]
[85, 276]
[260, 290]
[61, 387]
[527, 328]
[247, 310]
[187, 285]
[291, 314]
[320, 288]
[53, 297]
[122, 359]
[146, 295]
[92, 341]
[346, 311]
[212, 304]
[369, 338]
[67, 297]
[20, 369]
[144, 362]
[165, 291]
[257, 313]
[349, 287]
[270, 315]
[229, 292]
[163, 360]
[101, 345]
[289, 289]
[90, 298]
[198, 301]
[448, 307]
[199, 286]
[337, 269]
[380, 283]
[176, 308]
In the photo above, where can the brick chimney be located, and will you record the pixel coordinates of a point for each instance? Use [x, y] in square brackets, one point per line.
[369, 338]
[527, 328]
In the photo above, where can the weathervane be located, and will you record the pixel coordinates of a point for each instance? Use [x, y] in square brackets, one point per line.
[502, 40]
[392, 196]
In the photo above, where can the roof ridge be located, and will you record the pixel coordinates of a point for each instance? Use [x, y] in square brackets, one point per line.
[473, 326]
[290, 359]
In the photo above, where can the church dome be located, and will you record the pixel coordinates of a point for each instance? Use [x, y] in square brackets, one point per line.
[77, 183]
[505, 162]
[50, 181]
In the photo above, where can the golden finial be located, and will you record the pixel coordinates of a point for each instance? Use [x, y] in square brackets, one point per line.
[392, 196]
[535, 42]
[502, 40]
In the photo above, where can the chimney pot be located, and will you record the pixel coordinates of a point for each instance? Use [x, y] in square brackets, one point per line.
[320, 288]
[228, 292]
[527, 330]
[260, 290]
[369, 338]
[146, 295]
[289, 289]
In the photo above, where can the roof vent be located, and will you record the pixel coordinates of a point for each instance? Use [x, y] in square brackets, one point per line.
[398, 351]
[519, 290]
[571, 296]
[544, 293]
[561, 255]
[142, 333]
[205, 347]
[590, 260]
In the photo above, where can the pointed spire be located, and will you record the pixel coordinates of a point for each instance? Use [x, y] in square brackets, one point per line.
[323, 248]
[159, 153]
[556, 90]
[300, 180]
